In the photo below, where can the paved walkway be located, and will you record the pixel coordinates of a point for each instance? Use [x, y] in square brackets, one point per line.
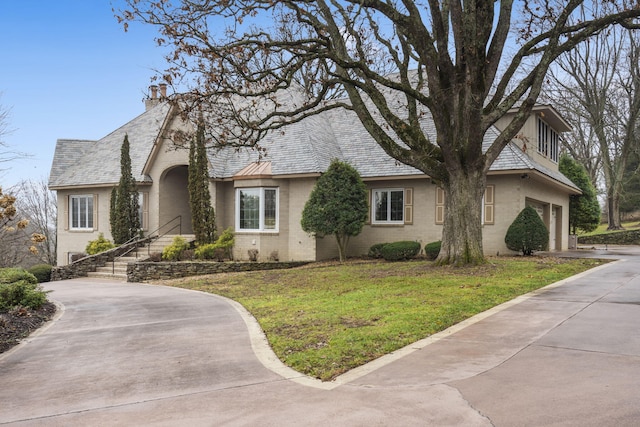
[130, 354]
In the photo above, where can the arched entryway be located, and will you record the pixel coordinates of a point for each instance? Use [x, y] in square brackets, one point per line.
[174, 201]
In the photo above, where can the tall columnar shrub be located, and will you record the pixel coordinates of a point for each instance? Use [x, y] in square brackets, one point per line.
[203, 218]
[337, 205]
[527, 233]
[125, 219]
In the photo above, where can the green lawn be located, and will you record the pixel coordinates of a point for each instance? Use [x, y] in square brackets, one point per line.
[602, 228]
[324, 320]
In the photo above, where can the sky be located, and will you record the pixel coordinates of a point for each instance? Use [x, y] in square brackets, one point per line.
[68, 70]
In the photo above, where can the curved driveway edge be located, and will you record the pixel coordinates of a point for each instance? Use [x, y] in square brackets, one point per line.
[131, 354]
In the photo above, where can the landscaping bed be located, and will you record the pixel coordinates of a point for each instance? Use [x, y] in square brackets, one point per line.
[17, 323]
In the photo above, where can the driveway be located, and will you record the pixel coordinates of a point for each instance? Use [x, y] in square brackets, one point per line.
[133, 354]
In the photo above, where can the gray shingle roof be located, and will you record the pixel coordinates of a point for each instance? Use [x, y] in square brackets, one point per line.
[82, 163]
[302, 148]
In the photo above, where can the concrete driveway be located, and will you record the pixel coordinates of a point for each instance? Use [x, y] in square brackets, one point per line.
[131, 354]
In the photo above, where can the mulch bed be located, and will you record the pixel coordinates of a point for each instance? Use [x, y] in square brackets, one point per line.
[16, 324]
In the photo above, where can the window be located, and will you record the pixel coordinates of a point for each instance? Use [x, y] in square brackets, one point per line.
[547, 141]
[388, 206]
[81, 212]
[257, 209]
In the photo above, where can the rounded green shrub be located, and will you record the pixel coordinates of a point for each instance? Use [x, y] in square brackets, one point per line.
[375, 250]
[527, 233]
[174, 251]
[42, 272]
[99, 245]
[18, 287]
[432, 249]
[397, 251]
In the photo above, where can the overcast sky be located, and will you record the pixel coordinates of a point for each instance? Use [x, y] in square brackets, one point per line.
[68, 70]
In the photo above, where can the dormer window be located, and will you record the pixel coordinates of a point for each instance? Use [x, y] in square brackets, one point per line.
[547, 141]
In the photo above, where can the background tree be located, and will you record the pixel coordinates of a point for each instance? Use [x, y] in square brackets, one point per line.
[126, 221]
[18, 239]
[337, 205]
[38, 204]
[203, 217]
[449, 62]
[630, 197]
[584, 210]
[597, 88]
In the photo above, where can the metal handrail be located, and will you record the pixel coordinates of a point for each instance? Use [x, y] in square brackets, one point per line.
[150, 238]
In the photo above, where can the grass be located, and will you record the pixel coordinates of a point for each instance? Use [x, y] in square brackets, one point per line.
[602, 229]
[324, 320]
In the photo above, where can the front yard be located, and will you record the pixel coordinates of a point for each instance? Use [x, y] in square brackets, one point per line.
[325, 319]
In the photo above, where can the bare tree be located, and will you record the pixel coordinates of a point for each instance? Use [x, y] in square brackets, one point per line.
[448, 59]
[38, 204]
[17, 240]
[598, 89]
[7, 154]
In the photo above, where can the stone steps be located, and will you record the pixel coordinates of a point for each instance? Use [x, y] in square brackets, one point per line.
[119, 270]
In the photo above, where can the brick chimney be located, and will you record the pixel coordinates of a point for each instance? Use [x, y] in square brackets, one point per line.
[163, 90]
[153, 100]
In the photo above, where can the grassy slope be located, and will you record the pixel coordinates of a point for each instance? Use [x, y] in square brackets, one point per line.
[326, 320]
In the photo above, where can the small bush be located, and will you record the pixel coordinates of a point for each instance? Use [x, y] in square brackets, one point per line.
[99, 245]
[219, 250]
[253, 255]
[375, 251]
[42, 272]
[173, 252]
[20, 288]
[273, 256]
[432, 249]
[13, 275]
[397, 251]
[527, 233]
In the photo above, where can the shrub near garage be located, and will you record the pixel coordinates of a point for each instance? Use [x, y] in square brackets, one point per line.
[20, 288]
[397, 251]
[527, 233]
[375, 251]
[432, 249]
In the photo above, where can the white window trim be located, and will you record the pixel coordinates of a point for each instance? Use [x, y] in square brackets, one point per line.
[373, 206]
[261, 228]
[89, 212]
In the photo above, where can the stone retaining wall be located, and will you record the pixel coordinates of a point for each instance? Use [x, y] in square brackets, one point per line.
[629, 237]
[145, 271]
[83, 266]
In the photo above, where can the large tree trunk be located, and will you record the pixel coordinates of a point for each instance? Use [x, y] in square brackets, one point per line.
[613, 209]
[462, 231]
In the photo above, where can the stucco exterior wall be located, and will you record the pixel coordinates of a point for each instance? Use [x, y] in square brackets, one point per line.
[75, 241]
[422, 229]
[512, 194]
[168, 195]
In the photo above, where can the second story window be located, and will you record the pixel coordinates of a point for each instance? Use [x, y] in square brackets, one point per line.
[547, 141]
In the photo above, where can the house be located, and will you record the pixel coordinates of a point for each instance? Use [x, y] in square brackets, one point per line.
[262, 197]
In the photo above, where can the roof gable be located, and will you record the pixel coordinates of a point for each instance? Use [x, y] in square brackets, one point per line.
[85, 163]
